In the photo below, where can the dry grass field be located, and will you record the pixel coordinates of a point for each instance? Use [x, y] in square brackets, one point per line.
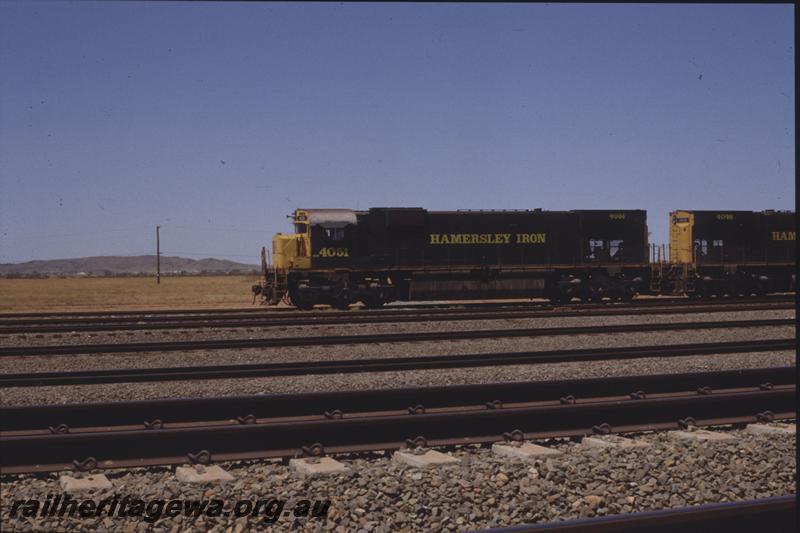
[80, 294]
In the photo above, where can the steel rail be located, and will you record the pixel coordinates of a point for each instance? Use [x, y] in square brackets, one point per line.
[282, 439]
[452, 307]
[244, 321]
[225, 344]
[234, 409]
[776, 514]
[300, 368]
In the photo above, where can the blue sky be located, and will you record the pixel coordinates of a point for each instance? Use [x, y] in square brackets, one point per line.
[216, 120]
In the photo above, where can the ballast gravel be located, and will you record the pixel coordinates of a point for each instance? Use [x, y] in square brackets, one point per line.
[11, 364]
[395, 379]
[178, 334]
[481, 491]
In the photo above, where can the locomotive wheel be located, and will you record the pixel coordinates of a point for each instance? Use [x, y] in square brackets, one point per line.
[372, 303]
[304, 306]
[703, 290]
[341, 305]
[615, 294]
[560, 298]
[303, 301]
[627, 295]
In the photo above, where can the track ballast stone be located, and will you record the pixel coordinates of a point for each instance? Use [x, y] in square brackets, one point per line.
[483, 490]
[316, 330]
[12, 364]
[393, 379]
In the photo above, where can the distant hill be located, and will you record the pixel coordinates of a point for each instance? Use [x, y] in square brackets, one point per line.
[110, 265]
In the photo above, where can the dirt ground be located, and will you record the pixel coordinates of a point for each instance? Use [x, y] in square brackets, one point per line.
[88, 294]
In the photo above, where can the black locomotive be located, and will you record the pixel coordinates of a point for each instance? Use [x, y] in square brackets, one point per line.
[339, 256]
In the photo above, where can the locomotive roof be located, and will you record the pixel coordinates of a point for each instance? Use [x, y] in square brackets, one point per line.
[501, 211]
[330, 217]
[715, 211]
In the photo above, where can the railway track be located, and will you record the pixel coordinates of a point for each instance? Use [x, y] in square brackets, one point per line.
[284, 436]
[138, 375]
[223, 344]
[188, 314]
[777, 513]
[238, 320]
[39, 419]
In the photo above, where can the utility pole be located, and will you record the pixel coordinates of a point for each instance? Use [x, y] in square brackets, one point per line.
[158, 255]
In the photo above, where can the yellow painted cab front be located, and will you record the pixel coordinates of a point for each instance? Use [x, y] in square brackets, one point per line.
[291, 252]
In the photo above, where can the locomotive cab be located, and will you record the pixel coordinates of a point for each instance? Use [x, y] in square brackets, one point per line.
[323, 237]
[332, 235]
[322, 241]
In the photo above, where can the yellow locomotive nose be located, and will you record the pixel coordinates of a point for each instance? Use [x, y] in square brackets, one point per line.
[291, 251]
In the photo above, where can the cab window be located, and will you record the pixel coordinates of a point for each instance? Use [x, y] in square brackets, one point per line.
[334, 234]
[701, 246]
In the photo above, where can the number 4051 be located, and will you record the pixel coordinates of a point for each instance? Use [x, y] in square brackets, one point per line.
[334, 252]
